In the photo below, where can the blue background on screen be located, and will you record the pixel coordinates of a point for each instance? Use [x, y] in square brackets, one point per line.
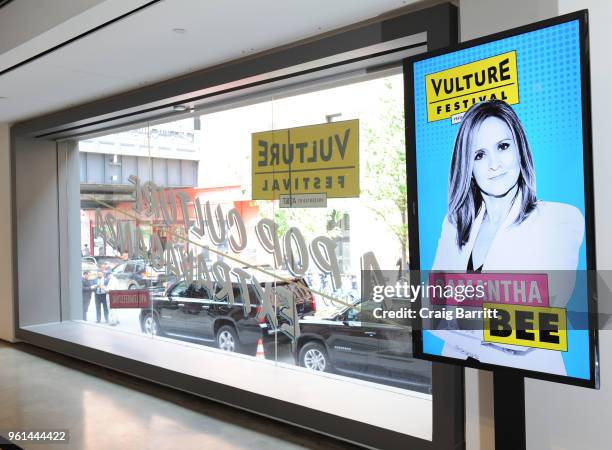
[550, 109]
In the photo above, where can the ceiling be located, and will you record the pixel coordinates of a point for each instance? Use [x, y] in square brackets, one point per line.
[159, 41]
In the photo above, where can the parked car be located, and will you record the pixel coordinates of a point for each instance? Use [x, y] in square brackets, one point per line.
[89, 264]
[137, 274]
[190, 313]
[353, 342]
[95, 263]
[110, 261]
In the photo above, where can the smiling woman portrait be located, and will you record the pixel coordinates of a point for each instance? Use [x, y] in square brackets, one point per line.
[496, 223]
[494, 220]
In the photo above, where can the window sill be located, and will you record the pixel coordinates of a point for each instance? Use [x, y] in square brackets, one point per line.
[345, 397]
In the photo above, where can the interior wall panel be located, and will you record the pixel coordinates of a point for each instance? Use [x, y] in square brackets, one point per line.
[37, 231]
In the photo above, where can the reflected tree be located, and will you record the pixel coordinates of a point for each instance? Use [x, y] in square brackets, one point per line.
[384, 182]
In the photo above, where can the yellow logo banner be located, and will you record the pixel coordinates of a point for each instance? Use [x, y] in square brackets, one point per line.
[313, 159]
[454, 91]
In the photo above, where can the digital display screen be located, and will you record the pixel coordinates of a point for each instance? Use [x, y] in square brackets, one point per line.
[499, 172]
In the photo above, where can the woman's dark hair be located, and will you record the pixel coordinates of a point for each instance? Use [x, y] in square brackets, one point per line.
[464, 196]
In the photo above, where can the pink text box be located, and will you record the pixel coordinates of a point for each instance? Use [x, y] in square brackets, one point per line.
[529, 289]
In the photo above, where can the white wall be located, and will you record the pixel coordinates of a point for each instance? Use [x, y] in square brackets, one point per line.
[558, 417]
[7, 331]
[482, 17]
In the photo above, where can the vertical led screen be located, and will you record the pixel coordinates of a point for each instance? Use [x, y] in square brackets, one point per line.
[501, 230]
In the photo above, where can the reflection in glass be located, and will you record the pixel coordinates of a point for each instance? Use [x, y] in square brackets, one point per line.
[187, 255]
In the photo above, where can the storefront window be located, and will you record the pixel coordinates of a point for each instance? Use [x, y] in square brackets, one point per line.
[248, 230]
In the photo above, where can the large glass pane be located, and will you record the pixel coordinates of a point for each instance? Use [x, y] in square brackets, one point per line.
[241, 235]
[109, 222]
[362, 219]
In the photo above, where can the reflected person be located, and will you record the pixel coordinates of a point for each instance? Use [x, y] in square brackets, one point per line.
[86, 287]
[100, 294]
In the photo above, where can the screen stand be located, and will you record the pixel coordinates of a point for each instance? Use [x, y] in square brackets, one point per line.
[509, 410]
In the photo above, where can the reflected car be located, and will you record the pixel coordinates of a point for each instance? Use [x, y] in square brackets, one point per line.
[305, 300]
[96, 263]
[353, 342]
[110, 261]
[136, 274]
[89, 264]
[194, 314]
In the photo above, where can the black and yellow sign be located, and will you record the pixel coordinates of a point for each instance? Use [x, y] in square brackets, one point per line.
[313, 159]
[527, 326]
[455, 90]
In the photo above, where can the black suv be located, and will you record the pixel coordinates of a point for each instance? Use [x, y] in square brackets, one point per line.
[190, 313]
[354, 342]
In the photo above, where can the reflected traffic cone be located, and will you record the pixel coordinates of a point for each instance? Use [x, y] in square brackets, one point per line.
[260, 349]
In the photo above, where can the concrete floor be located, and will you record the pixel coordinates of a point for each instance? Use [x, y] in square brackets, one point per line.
[103, 409]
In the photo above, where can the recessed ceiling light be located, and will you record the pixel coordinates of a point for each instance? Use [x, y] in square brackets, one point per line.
[180, 108]
[179, 30]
